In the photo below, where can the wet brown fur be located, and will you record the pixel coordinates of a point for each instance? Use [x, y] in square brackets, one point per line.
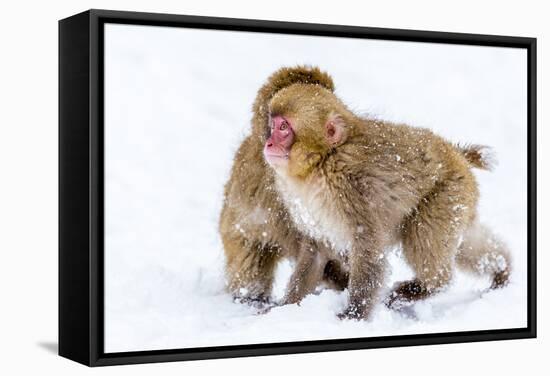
[255, 227]
[380, 185]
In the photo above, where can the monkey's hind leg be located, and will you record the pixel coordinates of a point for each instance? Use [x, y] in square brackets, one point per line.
[430, 239]
[482, 253]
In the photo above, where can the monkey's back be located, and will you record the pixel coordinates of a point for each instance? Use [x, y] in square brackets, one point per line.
[390, 168]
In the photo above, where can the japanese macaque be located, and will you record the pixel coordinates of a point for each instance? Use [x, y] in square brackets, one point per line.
[255, 226]
[363, 186]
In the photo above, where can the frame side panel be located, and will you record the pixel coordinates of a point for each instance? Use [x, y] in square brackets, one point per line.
[74, 211]
[532, 184]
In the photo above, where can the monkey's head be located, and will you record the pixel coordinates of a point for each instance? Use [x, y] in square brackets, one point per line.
[280, 79]
[308, 122]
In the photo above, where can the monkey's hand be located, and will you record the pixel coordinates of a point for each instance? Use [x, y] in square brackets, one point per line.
[355, 312]
[266, 308]
[258, 302]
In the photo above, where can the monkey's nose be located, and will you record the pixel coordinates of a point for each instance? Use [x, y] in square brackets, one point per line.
[269, 144]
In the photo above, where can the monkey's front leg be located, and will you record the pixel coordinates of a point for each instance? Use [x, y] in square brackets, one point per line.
[308, 273]
[250, 269]
[366, 278]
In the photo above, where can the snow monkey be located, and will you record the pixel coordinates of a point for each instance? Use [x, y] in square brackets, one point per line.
[255, 227]
[363, 185]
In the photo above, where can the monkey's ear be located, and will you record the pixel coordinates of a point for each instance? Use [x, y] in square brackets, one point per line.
[335, 130]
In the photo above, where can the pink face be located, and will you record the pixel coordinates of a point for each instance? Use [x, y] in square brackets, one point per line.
[278, 145]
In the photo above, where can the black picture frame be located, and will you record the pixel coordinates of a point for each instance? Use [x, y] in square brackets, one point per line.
[81, 286]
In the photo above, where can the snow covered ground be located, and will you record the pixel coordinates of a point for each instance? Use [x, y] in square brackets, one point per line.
[177, 105]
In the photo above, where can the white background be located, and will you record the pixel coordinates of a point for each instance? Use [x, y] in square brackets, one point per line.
[28, 192]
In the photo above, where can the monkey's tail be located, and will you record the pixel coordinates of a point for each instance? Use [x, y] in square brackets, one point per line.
[482, 253]
[478, 156]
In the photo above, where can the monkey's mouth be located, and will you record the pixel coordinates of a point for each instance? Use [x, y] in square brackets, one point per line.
[275, 157]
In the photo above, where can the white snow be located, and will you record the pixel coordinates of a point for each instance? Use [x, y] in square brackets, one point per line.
[177, 105]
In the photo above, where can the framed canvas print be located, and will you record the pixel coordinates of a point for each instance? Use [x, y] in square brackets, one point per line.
[235, 187]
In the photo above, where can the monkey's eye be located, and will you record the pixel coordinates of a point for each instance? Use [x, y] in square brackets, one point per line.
[284, 125]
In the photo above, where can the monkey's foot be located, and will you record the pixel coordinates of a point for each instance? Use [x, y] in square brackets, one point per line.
[500, 279]
[405, 294]
[398, 303]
